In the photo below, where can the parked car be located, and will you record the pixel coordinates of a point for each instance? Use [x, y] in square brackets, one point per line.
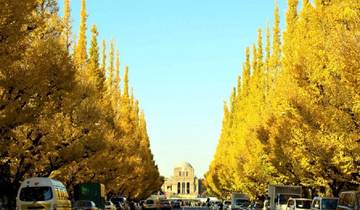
[109, 205]
[150, 204]
[165, 205]
[138, 205]
[175, 204]
[92, 191]
[217, 205]
[120, 203]
[256, 205]
[298, 203]
[322, 203]
[239, 201]
[349, 200]
[84, 205]
[227, 205]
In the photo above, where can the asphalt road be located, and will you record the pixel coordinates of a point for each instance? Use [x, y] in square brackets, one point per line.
[193, 208]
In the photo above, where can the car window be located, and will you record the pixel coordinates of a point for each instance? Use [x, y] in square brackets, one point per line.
[290, 203]
[36, 194]
[117, 200]
[149, 202]
[242, 202]
[329, 203]
[347, 199]
[303, 204]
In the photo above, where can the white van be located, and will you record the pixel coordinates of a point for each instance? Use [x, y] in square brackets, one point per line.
[42, 193]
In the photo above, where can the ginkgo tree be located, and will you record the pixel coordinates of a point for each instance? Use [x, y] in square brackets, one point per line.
[60, 115]
[295, 119]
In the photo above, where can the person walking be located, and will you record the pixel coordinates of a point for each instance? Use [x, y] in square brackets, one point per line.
[208, 203]
[221, 205]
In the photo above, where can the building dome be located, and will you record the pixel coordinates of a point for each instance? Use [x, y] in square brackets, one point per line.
[184, 165]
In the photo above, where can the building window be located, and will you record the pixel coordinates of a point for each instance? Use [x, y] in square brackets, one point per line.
[188, 188]
[183, 188]
[178, 188]
[179, 173]
[187, 174]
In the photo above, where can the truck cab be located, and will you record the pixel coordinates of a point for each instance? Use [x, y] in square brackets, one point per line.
[239, 201]
[280, 194]
[282, 200]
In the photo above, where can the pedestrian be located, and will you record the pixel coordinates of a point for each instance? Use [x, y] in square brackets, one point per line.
[208, 202]
[221, 205]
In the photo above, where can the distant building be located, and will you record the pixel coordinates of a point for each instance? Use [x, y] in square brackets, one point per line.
[183, 183]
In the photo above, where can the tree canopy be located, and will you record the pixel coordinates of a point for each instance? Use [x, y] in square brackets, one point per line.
[59, 116]
[295, 117]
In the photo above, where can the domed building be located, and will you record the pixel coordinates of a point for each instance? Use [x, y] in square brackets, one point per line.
[183, 183]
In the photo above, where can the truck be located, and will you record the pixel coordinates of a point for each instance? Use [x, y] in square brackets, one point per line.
[239, 201]
[279, 195]
[91, 191]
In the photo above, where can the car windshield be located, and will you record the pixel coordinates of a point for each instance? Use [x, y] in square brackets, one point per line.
[149, 202]
[242, 202]
[329, 203]
[227, 202]
[283, 198]
[36, 194]
[303, 204]
[107, 203]
[117, 200]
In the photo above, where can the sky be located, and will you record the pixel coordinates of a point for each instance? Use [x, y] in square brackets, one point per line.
[184, 57]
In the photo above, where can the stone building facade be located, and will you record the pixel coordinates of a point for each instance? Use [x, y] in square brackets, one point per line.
[183, 183]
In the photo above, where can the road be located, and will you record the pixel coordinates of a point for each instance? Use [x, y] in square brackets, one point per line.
[193, 208]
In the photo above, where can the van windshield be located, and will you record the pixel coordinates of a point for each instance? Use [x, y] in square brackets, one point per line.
[303, 204]
[242, 202]
[36, 194]
[329, 203]
[117, 200]
[149, 202]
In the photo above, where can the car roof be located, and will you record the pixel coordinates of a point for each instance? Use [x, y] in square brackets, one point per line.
[352, 191]
[301, 199]
[319, 197]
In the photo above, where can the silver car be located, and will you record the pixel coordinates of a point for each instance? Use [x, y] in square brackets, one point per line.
[298, 204]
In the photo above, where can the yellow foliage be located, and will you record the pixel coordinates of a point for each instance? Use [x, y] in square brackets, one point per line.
[56, 119]
[297, 121]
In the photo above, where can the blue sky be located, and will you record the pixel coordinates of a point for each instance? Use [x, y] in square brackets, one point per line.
[184, 57]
